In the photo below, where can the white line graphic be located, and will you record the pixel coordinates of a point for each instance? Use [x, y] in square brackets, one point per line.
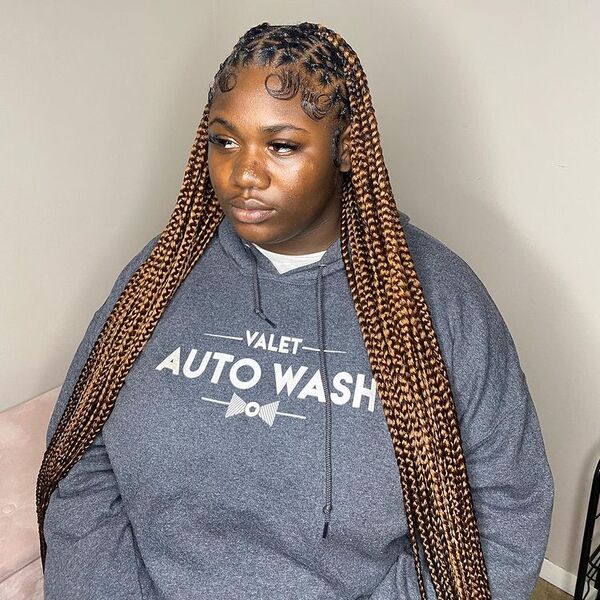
[318, 350]
[239, 339]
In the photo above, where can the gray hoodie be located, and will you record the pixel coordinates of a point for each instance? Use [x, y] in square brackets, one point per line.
[213, 476]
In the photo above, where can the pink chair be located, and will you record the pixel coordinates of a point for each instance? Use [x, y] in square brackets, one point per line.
[22, 444]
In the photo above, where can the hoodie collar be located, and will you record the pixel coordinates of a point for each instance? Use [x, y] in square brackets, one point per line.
[237, 249]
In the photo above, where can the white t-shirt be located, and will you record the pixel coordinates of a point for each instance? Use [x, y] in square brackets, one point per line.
[287, 262]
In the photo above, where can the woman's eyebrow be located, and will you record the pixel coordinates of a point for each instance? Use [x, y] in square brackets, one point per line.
[276, 128]
[224, 122]
[280, 127]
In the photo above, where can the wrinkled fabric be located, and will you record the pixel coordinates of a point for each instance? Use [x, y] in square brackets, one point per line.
[209, 478]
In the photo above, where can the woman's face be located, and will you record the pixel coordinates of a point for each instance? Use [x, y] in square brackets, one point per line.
[272, 169]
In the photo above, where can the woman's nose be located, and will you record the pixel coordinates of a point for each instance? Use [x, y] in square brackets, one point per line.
[248, 171]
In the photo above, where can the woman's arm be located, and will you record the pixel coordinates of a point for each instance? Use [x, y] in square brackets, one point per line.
[509, 474]
[91, 549]
[513, 495]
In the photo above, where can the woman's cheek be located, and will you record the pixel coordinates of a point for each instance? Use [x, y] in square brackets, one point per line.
[300, 175]
[217, 176]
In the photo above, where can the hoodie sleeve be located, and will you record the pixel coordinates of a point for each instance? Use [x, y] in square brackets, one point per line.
[509, 474]
[91, 551]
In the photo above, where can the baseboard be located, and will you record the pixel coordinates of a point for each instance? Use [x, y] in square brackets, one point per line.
[558, 576]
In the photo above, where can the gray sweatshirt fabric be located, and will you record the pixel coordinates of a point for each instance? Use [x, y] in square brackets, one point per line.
[252, 411]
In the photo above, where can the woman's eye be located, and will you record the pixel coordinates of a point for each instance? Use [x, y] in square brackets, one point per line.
[281, 148]
[286, 147]
[220, 141]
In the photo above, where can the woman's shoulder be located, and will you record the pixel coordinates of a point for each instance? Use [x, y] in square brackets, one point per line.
[438, 266]
[134, 263]
[451, 287]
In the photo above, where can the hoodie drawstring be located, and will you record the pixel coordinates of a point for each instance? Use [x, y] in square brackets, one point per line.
[328, 507]
[256, 286]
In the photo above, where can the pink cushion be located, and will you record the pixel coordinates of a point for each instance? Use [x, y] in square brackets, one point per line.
[26, 584]
[22, 444]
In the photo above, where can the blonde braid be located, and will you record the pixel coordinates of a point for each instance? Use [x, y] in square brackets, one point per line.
[131, 322]
[407, 364]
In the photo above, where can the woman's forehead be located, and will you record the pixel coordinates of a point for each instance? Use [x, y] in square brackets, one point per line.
[249, 104]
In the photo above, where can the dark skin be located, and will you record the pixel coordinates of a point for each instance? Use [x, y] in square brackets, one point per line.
[290, 172]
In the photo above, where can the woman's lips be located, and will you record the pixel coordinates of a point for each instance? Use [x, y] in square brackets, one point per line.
[254, 215]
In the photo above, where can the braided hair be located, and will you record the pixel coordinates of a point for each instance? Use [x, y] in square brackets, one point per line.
[318, 64]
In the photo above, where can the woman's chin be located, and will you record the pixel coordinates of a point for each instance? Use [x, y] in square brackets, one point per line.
[258, 234]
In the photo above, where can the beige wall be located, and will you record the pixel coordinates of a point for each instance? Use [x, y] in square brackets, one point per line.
[490, 120]
[99, 106]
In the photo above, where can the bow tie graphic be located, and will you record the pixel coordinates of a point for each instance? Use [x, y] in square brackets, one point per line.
[237, 406]
[267, 412]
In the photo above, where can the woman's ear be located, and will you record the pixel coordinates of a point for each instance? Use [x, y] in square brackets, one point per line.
[344, 150]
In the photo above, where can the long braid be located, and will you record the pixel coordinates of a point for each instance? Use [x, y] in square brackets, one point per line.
[422, 421]
[397, 416]
[131, 322]
[403, 350]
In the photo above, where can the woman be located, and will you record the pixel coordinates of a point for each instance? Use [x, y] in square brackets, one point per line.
[316, 399]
